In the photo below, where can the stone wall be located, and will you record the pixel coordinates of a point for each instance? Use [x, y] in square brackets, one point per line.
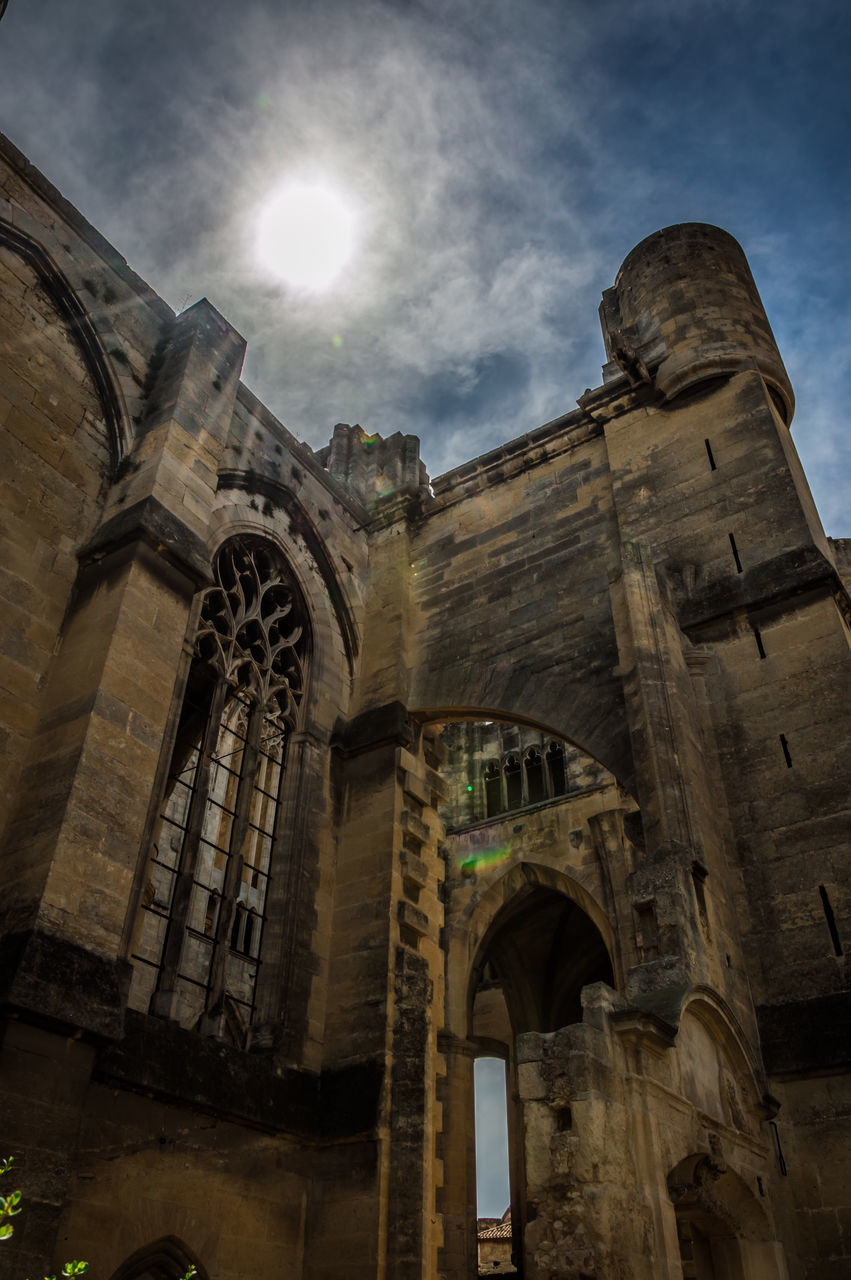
[659, 952]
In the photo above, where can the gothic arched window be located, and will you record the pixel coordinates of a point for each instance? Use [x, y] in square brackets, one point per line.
[534, 765]
[557, 769]
[493, 790]
[513, 783]
[198, 938]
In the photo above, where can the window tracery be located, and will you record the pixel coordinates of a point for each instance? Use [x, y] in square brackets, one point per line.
[198, 942]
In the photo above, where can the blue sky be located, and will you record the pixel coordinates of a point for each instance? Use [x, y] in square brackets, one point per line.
[504, 157]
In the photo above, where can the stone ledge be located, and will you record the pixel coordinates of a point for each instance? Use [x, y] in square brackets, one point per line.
[379, 727]
[765, 586]
[55, 983]
[150, 522]
[160, 1058]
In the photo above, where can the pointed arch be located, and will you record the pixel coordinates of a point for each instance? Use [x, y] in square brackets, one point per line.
[165, 1259]
[300, 525]
[82, 328]
[219, 834]
[468, 936]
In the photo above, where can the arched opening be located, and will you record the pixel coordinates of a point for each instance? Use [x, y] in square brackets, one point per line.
[722, 1230]
[540, 951]
[165, 1259]
[197, 943]
[493, 768]
[493, 1186]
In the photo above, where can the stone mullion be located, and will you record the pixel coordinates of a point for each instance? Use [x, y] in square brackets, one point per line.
[524, 781]
[233, 870]
[280, 995]
[185, 878]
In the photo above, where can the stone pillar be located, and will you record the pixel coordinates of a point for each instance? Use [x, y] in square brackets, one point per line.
[457, 1259]
[662, 714]
[385, 985]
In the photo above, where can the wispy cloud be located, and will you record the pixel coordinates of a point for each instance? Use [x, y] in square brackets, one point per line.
[503, 159]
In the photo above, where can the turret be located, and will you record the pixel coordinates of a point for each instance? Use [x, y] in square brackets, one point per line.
[684, 309]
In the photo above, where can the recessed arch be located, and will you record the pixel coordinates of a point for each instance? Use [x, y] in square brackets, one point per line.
[709, 1008]
[543, 948]
[475, 923]
[300, 525]
[83, 330]
[723, 1231]
[165, 1259]
[486, 713]
[220, 831]
[233, 518]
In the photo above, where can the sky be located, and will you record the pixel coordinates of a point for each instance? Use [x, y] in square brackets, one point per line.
[500, 157]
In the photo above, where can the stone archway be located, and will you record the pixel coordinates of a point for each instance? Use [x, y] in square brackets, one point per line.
[540, 950]
[722, 1230]
[165, 1259]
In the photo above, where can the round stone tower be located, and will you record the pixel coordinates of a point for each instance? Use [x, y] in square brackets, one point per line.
[684, 309]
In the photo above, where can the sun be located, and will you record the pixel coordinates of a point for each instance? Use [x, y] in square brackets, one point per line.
[305, 234]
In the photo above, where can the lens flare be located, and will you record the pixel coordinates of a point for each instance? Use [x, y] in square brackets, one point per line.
[484, 859]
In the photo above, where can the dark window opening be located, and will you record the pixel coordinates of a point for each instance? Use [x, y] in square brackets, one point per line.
[647, 931]
[785, 748]
[513, 783]
[698, 877]
[831, 920]
[712, 465]
[735, 552]
[535, 777]
[760, 646]
[493, 790]
[556, 768]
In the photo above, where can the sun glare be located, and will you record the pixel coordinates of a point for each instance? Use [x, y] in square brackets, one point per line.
[305, 234]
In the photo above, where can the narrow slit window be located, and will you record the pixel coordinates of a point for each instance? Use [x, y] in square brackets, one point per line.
[493, 790]
[535, 777]
[698, 877]
[712, 465]
[513, 783]
[735, 551]
[787, 756]
[757, 635]
[647, 931]
[557, 769]
[831, 920]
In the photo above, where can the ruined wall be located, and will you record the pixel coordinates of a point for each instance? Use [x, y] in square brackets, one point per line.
[644, 578]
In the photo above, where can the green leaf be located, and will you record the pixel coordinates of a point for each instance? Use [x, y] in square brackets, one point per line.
[5, 1232]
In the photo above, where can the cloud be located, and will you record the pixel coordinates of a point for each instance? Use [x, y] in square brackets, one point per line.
[503, 159]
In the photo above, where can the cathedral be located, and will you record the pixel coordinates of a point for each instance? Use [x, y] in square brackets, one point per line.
[323, 779]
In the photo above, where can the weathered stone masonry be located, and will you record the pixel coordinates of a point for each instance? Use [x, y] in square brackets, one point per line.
[252, 945]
